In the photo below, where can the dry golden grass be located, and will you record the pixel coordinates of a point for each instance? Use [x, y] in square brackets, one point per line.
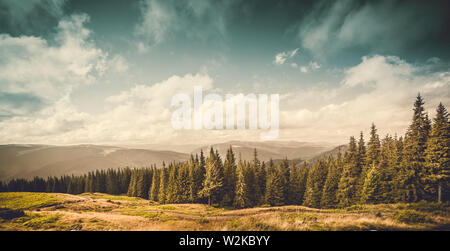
[106, 212]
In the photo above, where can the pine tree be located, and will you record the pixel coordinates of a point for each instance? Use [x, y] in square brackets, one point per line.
[315, 183]
[295, 187]
[154, 189]
[374, 174]
[259, 181]
[89, 183]
[276, 185]
[229, 178]
[213, 183]
[199, 177]
[329, 198]
[133, 182]
[172, 186]
[437, 156]
[191, 177]
[348, 184]
[412, 169]
[252, 185]
[241, 198]
[112, 186]
[361, 162]
[261, 175]
[124, 180]
[373, 147]
[184, 183]
[374, 186]
[162, 185]
[284, 170]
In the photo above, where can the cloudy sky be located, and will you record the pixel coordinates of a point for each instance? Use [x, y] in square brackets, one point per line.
[104, 72]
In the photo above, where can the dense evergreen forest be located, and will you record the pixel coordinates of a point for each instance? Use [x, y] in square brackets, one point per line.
[388, 170]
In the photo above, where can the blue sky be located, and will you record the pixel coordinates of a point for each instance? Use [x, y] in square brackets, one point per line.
[104, 71]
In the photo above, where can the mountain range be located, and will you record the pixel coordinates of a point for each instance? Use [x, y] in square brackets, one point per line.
[27, 161]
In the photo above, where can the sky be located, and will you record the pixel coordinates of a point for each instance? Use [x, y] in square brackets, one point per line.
[105, 71]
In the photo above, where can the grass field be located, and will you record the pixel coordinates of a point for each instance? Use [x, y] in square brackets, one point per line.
[43, 211]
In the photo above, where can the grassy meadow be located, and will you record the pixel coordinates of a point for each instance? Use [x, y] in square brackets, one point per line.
[65, 212]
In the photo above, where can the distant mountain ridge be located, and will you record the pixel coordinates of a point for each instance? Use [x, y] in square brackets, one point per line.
[269, 149]
[28, 160]
[334, 152]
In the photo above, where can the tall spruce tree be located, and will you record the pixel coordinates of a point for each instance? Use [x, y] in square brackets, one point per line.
[315, 183]
[229, 186]
[162, 185]
[329, 196]
[348, 184]
[437, 156]
[412, 171]
[276, 186]
[241, 198]
[154, 189]
[361, 160]
[133, 183]
[373, 172]
[261, 175]
[373, 147]
[296, 190]
[213, 183]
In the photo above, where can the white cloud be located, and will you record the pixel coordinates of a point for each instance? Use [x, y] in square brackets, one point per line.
[140, 114]
[381, 89]
[312, 66]
[30, 65]
[197, 20]
[378, 70]
[281, 57]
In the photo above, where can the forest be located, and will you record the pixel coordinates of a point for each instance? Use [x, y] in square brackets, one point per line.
[410, 168]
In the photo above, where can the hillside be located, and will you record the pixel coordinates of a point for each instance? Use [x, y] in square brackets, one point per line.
[25, 161]
[334, 152]
[93, 212]
[269, 149]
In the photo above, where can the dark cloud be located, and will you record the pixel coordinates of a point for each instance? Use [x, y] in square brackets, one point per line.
[30, 17]
[350, 27]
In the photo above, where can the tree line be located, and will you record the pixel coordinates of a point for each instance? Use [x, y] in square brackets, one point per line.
[388, 170]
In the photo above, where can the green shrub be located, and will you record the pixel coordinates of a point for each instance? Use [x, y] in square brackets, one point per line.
[252, 225]
[203, 221]
[409, 216]
[152, 215]
[425, 206]
[354, 208]
[26, 201]
[42, 221]
[299, 217]
[166, 208]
